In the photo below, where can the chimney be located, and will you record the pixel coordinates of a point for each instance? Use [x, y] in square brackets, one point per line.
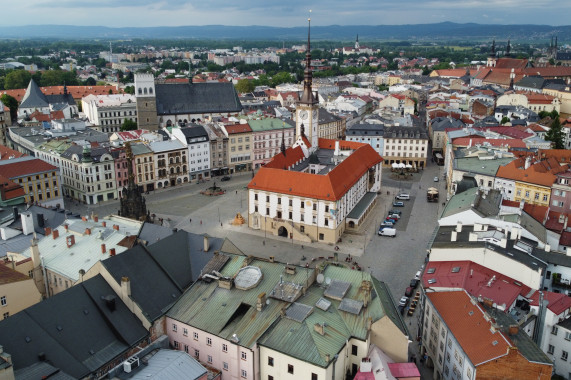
[503, 242]
[27, 223]
[35, 253]
[95, 218]
[327, 358]
[15, 212]
[84, 218]
[125, 287]
[66, 227]
[104, 224]
[454, 236]
[272, 259]
[459, 227]
[527, 162]
[206, 243]
[336, 153]
[112, 252]
[70, 241]
[547, 248]
[87, 231]
[513, 330]
[55, 233]
[116, 227]
[110, 302]
[103, 248]
[40, 220]
[47, 231]
[261, 301]
[320, 328]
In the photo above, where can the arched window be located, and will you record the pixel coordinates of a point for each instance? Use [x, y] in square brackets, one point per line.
[172, 170]
[178, 170]
[184, 169]
[140, 91]
[170, 161]
[145, 91]
[151, 91]
[177, 160]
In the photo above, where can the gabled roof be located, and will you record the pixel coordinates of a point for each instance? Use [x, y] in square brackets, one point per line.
[557, 302]
[34, 97]
[237, 128]
[75, 329]
[7, 153]
[196, 98]
[25, 168]
[9, 275]
[466, 322]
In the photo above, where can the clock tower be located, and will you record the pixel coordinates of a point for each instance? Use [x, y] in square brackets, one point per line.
[307, 107]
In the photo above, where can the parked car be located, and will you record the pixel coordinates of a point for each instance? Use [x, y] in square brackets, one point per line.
[408, 291]
[392, 220]
[414, 283]
[226, 178]
[404, 301]
[401, 309]
[393, 212]
[386, 224]
[394, 216]
[398, 204]
[387, 232]
[417, 275]
[435, 179]
[403, 196]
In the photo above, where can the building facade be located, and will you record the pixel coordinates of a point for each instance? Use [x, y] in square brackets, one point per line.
[196, 138]
[171, 163]
[239, 147]
[267, 137]
[109, 112]
[407, 145]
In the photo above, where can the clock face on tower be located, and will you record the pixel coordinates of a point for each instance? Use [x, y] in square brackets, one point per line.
[303, 114]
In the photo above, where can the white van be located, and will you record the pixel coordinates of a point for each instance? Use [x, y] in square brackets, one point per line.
[403, 196]
[388, 232]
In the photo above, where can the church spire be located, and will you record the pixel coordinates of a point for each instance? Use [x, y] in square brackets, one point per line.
[308, 97]
[508, 49]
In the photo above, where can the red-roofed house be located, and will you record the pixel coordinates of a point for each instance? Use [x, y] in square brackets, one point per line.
[557, 310]
[39, 180]
[11, 193]
[239, 147]
[462, 341]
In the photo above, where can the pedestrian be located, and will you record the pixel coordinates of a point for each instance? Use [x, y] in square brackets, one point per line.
[190, 221]
[201, 222]
[236, 192]
[263, 242]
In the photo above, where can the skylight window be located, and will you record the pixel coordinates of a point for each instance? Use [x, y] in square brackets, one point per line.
[431, 270]
[455, 269]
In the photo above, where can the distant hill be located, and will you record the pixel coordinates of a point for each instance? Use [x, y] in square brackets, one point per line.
[440, 31]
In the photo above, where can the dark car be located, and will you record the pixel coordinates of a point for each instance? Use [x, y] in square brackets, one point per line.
[401, 309]
[226, 178]
[408, 291]
[414, 283]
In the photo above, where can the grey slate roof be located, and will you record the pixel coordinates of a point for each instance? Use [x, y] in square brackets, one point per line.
[196, 98]
[151, 233]
[41, 370]
[325, 117]
[75, 330]
[52, 218]
[366, 129]
[193, 132]
[34, 97]
[61, 99]
[172, 263]
[170, 365]
[531, 82]
[441, 123]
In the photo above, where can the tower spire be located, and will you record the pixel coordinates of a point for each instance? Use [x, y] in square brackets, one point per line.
[307, 97]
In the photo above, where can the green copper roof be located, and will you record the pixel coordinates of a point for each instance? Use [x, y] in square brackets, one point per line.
[460, 202]
[268, 124]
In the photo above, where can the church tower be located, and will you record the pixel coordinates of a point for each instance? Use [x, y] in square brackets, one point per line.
[146, 102]
[492, 58]
[357, 44]
[307, 107]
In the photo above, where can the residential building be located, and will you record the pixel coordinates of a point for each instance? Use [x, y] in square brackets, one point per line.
[398, 102]
[11, 193]
[121, 170]
[218, 149]
[196, 138]
[144, 166]
[171, 162]
[268, 135]
[239, 147]
[372, 134]
[437, 131]
[558, 347]
[463, 341]
[532, 181]
[39, 179]
[88, 174]
[250, 349]
[330, 126]
[108, 112]
[17, 292]
[407, 145]
[561, 193]
[35, 100]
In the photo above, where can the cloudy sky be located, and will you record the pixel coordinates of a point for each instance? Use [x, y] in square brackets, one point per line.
[118, 13]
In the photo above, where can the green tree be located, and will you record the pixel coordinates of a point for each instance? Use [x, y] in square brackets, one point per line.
[244, 86]
[90, 82]
[11, 103]
[129, 90]
[17, 79]
[128, 125]
[505, 120]
[555, 134]
[281, 77]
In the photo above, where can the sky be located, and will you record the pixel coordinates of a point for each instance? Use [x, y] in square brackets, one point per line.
[135, 13]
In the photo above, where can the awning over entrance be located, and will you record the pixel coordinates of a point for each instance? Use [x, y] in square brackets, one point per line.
[361, 209]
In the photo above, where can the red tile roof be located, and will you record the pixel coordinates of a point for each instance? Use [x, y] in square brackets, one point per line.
[511, 63]
[535, 98]
[7, 153]
[565, 239]
[40, 117]
[476, 279]
[9, 275]
[541, 173]
[281, 161]
[24, 168]
[510, 143]
[331, 186]
[237, 128]
[537, 212]
[77, 92]
[510, 132]
[454, 73]
[508, 203]
[466, 322]
[558, 302]
[11, 190]
[548, 72]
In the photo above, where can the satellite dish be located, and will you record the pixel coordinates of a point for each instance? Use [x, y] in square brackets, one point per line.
[320, 278]
[327, 281]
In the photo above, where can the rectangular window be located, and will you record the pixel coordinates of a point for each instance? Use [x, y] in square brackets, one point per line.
[567, 335]
[209, 358]
[209, 341]
[6, 315]
[224, 348]
[550, 349]
[176, 345]
[564, 355]
[3, 301]
[354, 350]
[290, 369]
[313, 376]
[196, 354]
[554, 330]
[244, 356]
[184, 331]
[195, 335]
[270, 361]
[186, 348]
[225, 366]
[270, 377]
[174, 327]
[244, 374]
